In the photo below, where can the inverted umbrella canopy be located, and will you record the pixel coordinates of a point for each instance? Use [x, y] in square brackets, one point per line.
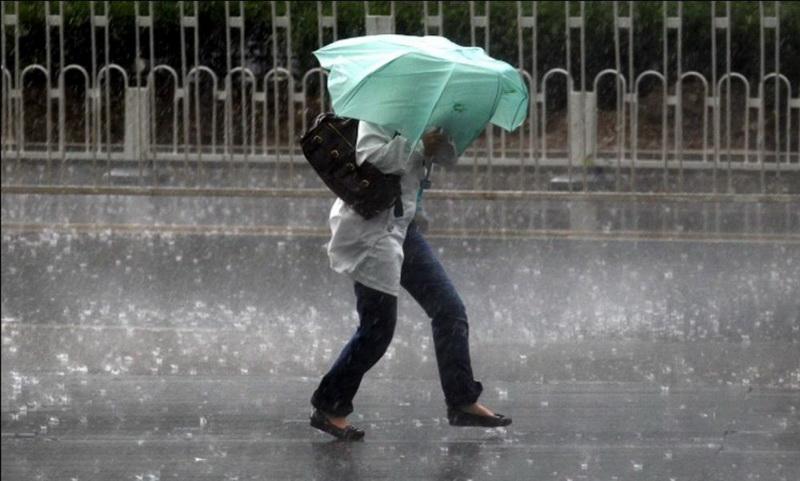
[411, 84]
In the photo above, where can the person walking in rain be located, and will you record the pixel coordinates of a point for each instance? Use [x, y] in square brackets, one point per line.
[418, 100]
[381, 255]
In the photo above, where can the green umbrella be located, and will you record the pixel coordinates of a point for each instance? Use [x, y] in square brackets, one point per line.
[411, 84]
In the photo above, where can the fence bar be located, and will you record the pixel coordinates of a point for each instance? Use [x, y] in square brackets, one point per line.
[777, 54]
[143, 143]
[430, 22]
[93, 94]
[621, 94]
[728, 98]
[237, 22]
[283, 22]
[528, 22]
[227, 128]
[620, 84]
[186, 22]
[635, 123]
[198, 121]
[107, 90]
[192, 146]
[379, 24]
[152, 114]
[632, 98]
[771, 22]
[568, 67]
[7, 84]
[59, 21]
[86, 103]
[475, 22]
[716, 23]
[677, 24]
[48, 92]
[583, 129]
[12, 85]
[331, 23]
[243, 105]
[665, 97]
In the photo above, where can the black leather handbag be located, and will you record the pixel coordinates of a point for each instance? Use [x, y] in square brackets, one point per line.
[330, 147]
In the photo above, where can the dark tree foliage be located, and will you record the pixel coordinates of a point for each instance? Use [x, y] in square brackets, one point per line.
[503, 39]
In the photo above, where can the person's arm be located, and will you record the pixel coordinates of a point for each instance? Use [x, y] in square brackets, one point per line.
[382, 148]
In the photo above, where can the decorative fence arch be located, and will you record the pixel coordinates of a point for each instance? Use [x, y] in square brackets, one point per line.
[280, 96]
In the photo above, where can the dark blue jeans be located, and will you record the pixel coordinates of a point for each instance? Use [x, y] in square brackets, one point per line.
[426, 280]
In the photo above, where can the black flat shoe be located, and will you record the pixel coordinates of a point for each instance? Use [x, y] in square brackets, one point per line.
[456, 417]
[320, 421]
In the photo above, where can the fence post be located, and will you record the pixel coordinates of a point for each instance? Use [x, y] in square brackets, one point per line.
[482, 21]
[579, 107]
[48, 120]
[137, 113]
[528, 22]
[379, 24]
[582, 123]
[12, 98]
[282, 22]
[140, 65]
[433, 21]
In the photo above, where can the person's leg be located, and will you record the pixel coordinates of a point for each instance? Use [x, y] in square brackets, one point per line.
[377, 312]
[427, 282]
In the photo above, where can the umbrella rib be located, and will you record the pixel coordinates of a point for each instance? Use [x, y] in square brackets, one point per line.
[496, 101]
[441, 89]
[354, 90]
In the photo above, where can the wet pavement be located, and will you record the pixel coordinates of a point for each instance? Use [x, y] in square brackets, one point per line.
[155, 355]
[176, 427]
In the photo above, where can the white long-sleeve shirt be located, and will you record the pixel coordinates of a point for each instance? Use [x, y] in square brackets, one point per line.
[371, 251]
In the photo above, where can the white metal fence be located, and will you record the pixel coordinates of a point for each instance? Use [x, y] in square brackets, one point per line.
[214, 125]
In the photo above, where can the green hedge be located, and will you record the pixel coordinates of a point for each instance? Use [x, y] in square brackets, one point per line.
[599, 46]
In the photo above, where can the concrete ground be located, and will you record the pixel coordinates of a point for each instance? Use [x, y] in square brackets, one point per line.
[248, 427]
[155, 354]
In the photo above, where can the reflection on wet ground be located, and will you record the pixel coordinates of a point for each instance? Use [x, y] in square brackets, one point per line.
[246, 427]
[154, 356]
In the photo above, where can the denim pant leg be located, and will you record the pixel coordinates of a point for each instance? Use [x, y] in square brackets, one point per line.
[427, 282]
[377, 313]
